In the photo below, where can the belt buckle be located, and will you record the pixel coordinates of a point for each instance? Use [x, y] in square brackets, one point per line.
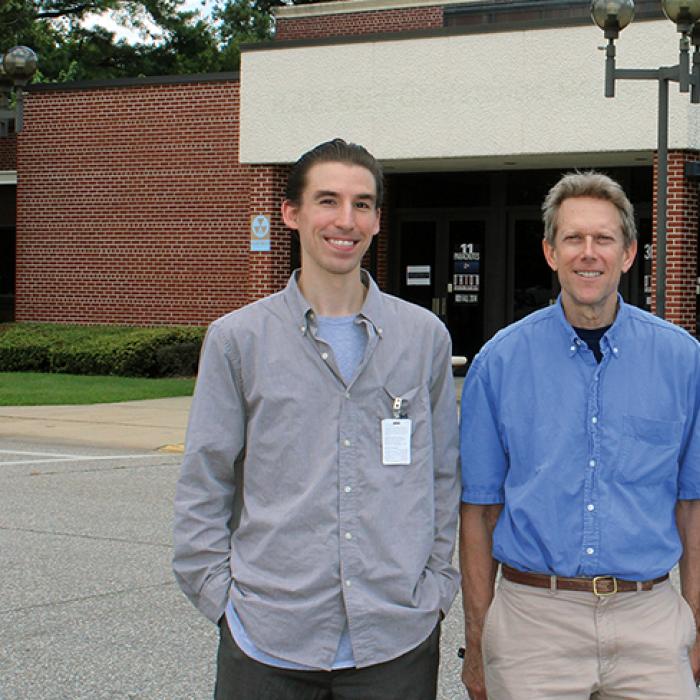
[604, 580]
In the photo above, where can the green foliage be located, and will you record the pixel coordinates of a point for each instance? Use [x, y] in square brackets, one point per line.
[103, 350]
[172, 41]
[178, 359]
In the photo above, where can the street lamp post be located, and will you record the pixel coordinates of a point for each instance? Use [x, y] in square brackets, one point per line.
[612, 16]
[17, 67]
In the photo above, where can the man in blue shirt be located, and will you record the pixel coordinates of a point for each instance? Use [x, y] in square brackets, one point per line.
[580, 447]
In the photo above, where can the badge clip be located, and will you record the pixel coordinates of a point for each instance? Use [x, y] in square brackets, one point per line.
[400, 408]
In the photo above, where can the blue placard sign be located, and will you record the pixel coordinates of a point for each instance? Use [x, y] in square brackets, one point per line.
[260, 233]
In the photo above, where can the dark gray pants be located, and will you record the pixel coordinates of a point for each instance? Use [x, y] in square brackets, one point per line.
[412, 676]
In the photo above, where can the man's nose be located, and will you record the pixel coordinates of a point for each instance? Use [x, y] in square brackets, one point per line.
[345, 216]
[588, 246]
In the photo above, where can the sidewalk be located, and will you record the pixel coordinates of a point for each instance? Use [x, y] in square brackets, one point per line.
[154, 424]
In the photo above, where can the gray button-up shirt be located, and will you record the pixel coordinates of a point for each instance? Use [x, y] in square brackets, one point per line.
[326, 532]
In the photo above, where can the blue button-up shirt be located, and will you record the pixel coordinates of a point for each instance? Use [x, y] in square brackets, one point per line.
[588, 459]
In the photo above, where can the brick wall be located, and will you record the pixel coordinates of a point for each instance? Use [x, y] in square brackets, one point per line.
[382, 275]
[8, 152]
[269, 272]
[681, 243]
[354, 23]
[133, 208]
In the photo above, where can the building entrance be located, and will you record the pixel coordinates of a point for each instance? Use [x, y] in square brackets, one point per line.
[441, 268]
[465, 269]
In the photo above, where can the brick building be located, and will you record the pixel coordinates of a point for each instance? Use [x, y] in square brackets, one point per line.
[134, 198]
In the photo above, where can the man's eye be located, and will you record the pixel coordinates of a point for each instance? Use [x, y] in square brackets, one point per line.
[362, 205]
[327, 201]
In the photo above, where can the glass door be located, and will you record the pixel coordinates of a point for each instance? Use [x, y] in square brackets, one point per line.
[465, 287]
[441, 268]
[418, 242]
[533, 284]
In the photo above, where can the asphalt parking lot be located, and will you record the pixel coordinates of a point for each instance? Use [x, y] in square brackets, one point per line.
[88, 606]
[89, 609]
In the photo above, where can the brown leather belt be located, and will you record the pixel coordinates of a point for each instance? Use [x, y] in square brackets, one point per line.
[599, 585]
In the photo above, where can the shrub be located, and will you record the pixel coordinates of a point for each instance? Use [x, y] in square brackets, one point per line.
[118, 350]
[178, 359]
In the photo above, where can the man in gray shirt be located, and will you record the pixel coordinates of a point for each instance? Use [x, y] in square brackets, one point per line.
[316, 511]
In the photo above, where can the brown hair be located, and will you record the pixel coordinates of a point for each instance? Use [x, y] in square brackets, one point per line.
[335, 151]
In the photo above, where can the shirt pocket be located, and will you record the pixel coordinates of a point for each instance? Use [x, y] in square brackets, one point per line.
[417, 409]
[650, 449]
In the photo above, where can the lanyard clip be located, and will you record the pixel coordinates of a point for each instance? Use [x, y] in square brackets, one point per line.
[399, 408]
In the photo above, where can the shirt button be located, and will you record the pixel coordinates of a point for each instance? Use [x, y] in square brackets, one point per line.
[348, 535]
[594, 420]
[590, 550]
[324, 355]
[590, 507]
[347, 394]
[346, 443]
[380, 331]
[615, 350]
[348, 489]
[348, 582]
[572, 348]
[591, 463]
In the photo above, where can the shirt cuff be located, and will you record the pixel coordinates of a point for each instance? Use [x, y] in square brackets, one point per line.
[482, 497]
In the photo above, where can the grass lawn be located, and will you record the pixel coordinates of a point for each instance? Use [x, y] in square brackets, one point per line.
[39, 389]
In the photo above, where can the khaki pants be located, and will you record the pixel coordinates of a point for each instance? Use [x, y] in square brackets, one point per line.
[570, 645]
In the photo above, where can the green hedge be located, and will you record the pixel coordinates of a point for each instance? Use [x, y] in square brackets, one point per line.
[118, 350]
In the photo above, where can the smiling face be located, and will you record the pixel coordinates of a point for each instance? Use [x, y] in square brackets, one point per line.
[589, 257]
[336, 218]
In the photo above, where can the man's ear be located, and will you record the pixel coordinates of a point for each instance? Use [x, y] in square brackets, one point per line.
[290, 212]
[379, 222]
[550, 255]
[630, 254]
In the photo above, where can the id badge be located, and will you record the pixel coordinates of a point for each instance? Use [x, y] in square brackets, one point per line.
[396, 441]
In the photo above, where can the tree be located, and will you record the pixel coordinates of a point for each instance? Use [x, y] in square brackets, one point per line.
[246, 21]
[171, 41]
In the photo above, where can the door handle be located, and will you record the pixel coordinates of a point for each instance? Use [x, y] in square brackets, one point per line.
[436, 306]
[444, 306]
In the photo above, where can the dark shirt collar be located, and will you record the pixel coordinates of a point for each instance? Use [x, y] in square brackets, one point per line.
[611, 339]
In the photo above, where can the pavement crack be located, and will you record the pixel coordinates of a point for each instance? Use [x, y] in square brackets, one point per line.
[80, 599]
[93, 470]
[79, 535]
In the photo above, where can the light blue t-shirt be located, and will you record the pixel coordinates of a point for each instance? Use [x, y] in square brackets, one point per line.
[348, 341]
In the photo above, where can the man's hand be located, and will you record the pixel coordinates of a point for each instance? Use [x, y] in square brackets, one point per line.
[695, 661]
[478, 576]
[688, 521]
[473, 674]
